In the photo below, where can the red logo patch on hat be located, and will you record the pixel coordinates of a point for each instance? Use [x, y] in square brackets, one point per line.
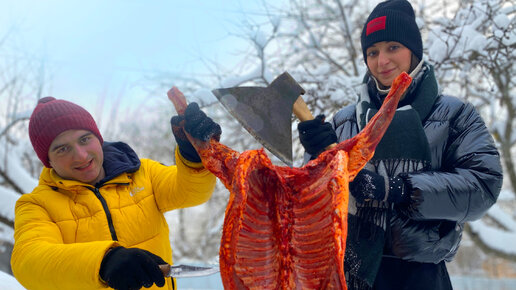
[376, 24]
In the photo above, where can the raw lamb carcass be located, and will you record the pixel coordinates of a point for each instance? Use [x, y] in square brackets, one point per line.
[286, 228]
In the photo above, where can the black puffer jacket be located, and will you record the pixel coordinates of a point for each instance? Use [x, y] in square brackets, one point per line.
[464, 180]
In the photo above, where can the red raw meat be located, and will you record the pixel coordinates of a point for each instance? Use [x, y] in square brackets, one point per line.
[286, 228]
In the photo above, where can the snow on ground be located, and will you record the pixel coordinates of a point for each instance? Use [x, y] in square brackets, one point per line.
[213, 282]
[459, 283]
[479, 283]
[8, 282]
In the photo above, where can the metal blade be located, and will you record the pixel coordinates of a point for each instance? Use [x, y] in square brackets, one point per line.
[265, 112]
[184, 271]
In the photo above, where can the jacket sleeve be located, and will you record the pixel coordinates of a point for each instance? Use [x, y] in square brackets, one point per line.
[180, 186]
[470, 178]
[40, 259]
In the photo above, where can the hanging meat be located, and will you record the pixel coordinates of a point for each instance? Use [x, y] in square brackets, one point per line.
[284, 227]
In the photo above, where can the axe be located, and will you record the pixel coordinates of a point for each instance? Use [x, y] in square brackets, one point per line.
[265, 112]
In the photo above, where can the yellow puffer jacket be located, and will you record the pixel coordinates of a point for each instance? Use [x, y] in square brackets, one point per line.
[62, 230]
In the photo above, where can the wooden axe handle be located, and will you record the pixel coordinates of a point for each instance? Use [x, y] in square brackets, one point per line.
[301, 110]
[303, 114]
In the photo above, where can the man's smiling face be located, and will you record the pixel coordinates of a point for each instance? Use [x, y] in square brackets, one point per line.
[77, 155]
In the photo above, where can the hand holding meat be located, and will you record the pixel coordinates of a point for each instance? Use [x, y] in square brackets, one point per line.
[198, 125]
[132, 268]
[369, 185]
[315, 135]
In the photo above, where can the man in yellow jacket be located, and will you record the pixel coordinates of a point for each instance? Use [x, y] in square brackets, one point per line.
[96, 220]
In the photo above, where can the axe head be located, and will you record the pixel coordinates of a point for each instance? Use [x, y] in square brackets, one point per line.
[265, 112]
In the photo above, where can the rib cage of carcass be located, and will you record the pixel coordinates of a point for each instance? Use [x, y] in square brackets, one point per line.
[286, 228]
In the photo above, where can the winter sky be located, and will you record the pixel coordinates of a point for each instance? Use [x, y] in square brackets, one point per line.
[100, 48]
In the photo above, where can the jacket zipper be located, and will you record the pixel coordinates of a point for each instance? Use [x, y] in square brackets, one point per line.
[106, 210]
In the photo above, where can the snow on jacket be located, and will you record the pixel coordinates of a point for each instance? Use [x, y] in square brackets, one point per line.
[64, 227]
[464, 180]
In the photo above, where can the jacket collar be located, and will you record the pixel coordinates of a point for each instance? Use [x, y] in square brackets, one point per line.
[118, 158]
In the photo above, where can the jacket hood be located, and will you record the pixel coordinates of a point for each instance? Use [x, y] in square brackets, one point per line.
[118, 158]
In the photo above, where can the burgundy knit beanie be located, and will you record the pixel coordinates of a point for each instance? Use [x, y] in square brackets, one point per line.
[392, 20]
[52, 117]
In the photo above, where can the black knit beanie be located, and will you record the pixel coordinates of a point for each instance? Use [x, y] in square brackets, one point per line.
[392, 20]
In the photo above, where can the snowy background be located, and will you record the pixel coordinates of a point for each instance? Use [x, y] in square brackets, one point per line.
[7, 282]
[120, 65]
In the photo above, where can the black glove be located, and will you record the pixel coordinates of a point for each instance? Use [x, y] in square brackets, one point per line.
[131, 268]
[196, 124]
[369, 185]
[315, 135]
